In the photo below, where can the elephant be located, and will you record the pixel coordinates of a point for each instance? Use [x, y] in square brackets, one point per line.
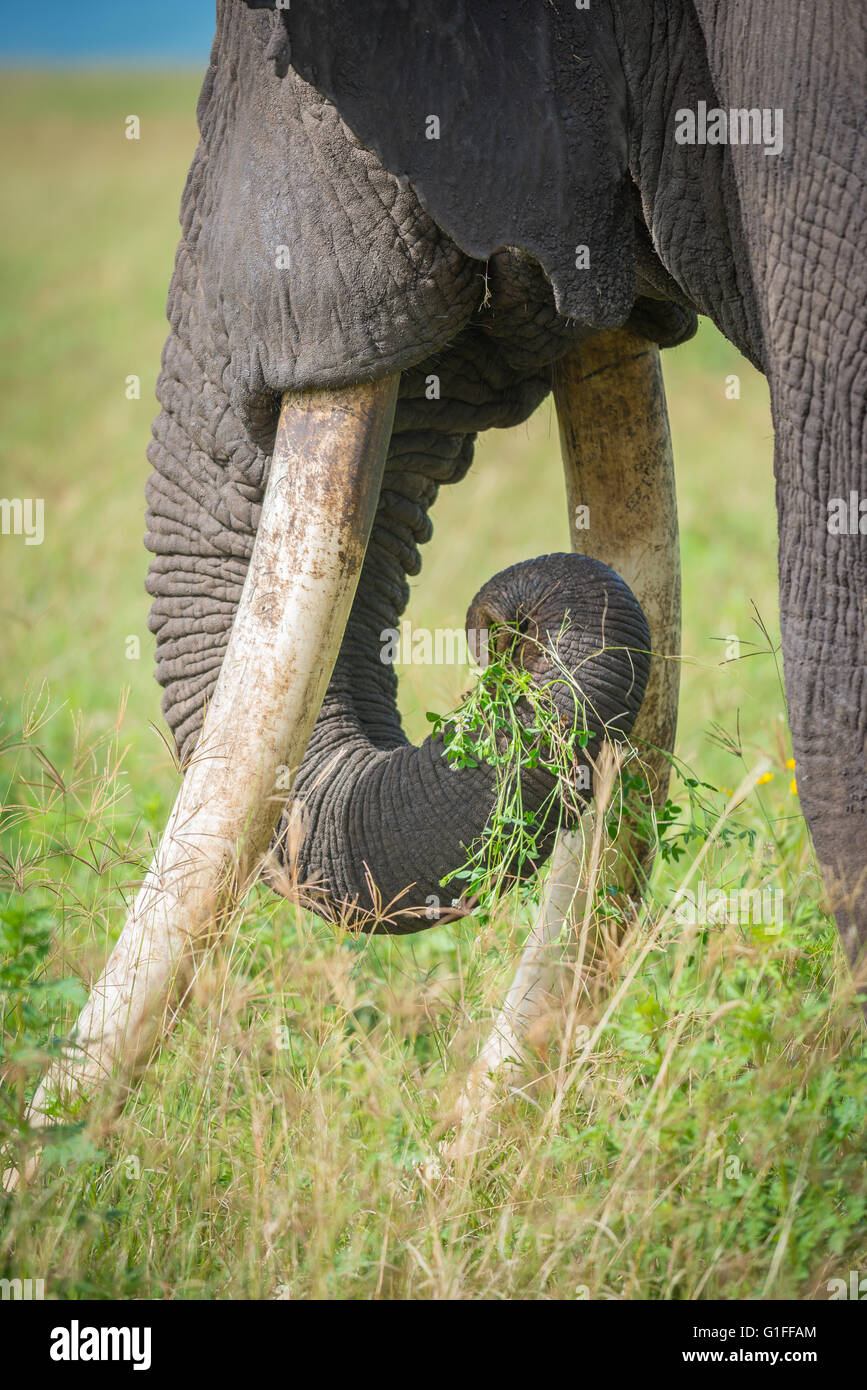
[405, 223]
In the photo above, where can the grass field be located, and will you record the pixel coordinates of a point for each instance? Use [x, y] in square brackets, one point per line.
[711, 1141]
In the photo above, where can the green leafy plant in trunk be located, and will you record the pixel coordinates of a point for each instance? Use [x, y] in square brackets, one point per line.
[511, 722]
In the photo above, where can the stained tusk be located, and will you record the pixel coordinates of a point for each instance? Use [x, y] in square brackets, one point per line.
[317, 513]
[622, 503]
[617, 457]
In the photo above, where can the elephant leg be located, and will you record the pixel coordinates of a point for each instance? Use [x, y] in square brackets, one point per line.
[823, 617]
[620, 492]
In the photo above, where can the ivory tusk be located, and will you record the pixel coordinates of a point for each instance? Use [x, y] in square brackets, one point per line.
[619, 475]
[317, 512]
[618, 464]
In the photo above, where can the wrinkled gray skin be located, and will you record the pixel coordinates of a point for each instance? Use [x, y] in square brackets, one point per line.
[390, 269]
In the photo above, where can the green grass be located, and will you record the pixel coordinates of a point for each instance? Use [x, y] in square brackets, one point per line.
[704, 1137]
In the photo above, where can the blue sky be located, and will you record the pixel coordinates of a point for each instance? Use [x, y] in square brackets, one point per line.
[103, 31]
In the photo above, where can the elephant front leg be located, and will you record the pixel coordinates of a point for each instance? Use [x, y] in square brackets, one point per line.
[823, 614]
[620, 492]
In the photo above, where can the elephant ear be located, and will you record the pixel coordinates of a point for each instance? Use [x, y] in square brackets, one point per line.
[508, 118]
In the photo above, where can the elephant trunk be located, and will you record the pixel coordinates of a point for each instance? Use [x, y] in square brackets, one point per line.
[385, 821]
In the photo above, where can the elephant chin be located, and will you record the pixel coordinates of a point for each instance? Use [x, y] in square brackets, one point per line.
[370, 834]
